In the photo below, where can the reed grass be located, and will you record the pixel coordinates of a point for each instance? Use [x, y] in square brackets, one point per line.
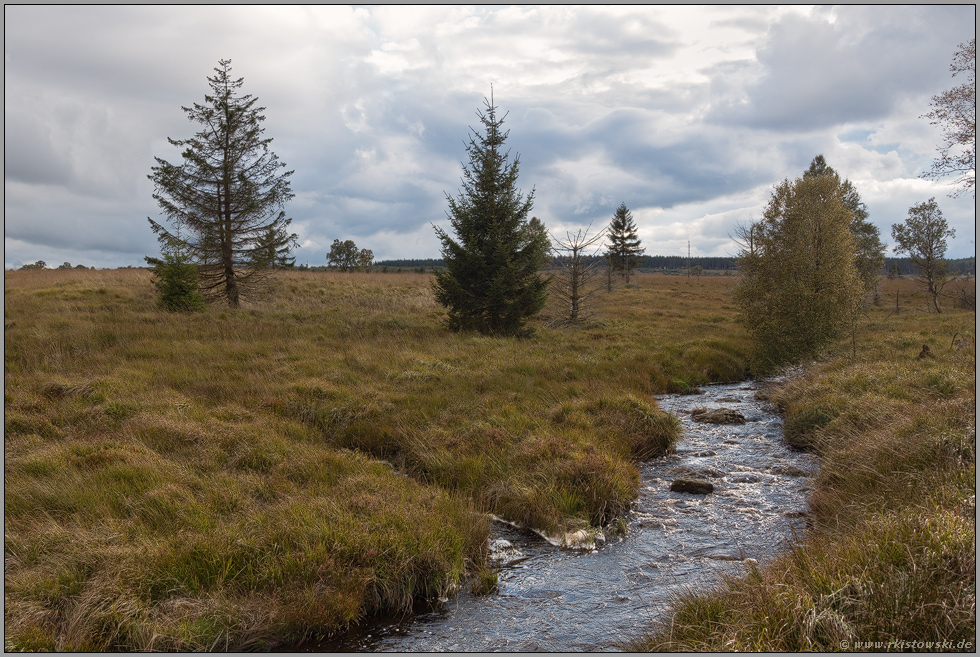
[247, 479]
[889, 563]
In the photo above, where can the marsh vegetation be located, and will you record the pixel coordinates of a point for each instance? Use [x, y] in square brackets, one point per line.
[890, 558]
[244, 478]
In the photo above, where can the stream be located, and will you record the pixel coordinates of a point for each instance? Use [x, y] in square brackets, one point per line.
[555, 599]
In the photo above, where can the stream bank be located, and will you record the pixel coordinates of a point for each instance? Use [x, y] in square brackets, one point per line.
[555, 599]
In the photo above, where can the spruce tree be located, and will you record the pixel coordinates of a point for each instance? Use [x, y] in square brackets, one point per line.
[624, 245]
[272, 250]
[175, 277]
[228, 193]
[491, 282]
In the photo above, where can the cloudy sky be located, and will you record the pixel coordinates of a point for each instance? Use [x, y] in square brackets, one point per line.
[689, 115]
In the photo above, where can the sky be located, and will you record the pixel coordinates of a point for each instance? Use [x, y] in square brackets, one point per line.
[688, 115]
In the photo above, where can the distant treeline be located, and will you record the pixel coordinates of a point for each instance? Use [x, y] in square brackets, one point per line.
[411, 264]
[681, 263]
[645, 262]
[956, 266]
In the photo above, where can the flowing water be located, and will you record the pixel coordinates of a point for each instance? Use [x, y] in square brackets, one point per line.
[555, 599]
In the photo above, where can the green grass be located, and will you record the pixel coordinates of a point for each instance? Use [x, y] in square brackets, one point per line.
[891, 554]
[246, 479]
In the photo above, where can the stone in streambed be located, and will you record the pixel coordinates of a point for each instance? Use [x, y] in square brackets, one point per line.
[693, 486]
[717, 416]
[788, 471]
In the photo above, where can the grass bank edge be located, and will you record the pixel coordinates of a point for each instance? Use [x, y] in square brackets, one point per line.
[890, 560]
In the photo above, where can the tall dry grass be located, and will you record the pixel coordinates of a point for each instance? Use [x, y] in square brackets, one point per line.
[890, 561]
[244, 479]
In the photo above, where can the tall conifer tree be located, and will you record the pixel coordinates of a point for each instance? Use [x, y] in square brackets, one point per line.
[226, 199]
[491, 282]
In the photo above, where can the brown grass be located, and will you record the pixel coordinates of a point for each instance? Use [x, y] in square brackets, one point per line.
[243, 479]
[890, 562]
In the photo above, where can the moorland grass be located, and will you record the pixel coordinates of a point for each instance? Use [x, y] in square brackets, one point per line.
[889, 563]
[246, 479]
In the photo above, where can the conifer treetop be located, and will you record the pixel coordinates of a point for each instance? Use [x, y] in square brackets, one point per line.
[491, 282]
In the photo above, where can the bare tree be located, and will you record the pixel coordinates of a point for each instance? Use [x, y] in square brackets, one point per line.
[573, 286]
[955, 112]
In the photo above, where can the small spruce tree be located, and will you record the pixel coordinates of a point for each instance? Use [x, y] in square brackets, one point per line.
[272, 250]
[624, 245]
[491, 282]
[176, 277]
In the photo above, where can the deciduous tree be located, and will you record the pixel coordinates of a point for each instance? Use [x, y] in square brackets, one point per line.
[365, 257]
[923, 239]
[226, 198]
[800, 287]
[491, 282]
[955, 112]
[574, 285]
[345, 256]
[342, 255]
[869, 251]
